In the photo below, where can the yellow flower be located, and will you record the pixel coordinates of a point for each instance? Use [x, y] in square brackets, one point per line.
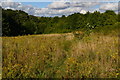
[25, 66]
[113, 56]
[117, 74]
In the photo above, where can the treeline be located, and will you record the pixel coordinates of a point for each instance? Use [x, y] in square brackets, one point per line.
[17, 22]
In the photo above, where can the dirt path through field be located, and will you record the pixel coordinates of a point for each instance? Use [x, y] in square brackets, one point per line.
[68, 36]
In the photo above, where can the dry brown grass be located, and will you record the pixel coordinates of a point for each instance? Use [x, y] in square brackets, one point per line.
[60, 55]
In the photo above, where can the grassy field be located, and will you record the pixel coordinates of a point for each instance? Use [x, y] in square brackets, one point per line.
[61, 56]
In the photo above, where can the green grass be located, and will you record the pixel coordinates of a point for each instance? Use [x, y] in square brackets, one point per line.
[61, 56]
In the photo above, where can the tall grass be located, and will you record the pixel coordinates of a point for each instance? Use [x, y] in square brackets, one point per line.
[61, 56]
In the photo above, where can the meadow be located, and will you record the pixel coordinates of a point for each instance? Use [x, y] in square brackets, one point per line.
[61, 56]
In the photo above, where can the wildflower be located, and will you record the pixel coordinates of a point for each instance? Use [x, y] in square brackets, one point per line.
[117, 74]
[25, 66]
[113, 56]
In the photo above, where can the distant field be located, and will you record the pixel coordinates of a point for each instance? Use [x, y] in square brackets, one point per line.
[61, 56]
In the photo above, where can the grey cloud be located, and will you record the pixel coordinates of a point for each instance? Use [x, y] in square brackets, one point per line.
[18, 6]
[66, 11]
[84, 4]
[55, 8]
[64, 5]
[41, 11]
[6, 0]
[10, 4]
[58, 5]
[29, 9]
[109, 6]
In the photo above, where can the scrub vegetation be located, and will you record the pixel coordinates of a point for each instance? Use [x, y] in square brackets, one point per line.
[87, 52]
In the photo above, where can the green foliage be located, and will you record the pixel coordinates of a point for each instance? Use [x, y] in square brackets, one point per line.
[108, 29]
[20, 23]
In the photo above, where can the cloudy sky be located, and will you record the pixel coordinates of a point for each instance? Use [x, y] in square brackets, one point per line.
[59, 7]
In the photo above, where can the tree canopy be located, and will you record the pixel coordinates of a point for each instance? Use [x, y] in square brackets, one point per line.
[17, 22]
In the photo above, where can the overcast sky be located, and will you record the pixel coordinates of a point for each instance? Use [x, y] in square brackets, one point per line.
[58, 8]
